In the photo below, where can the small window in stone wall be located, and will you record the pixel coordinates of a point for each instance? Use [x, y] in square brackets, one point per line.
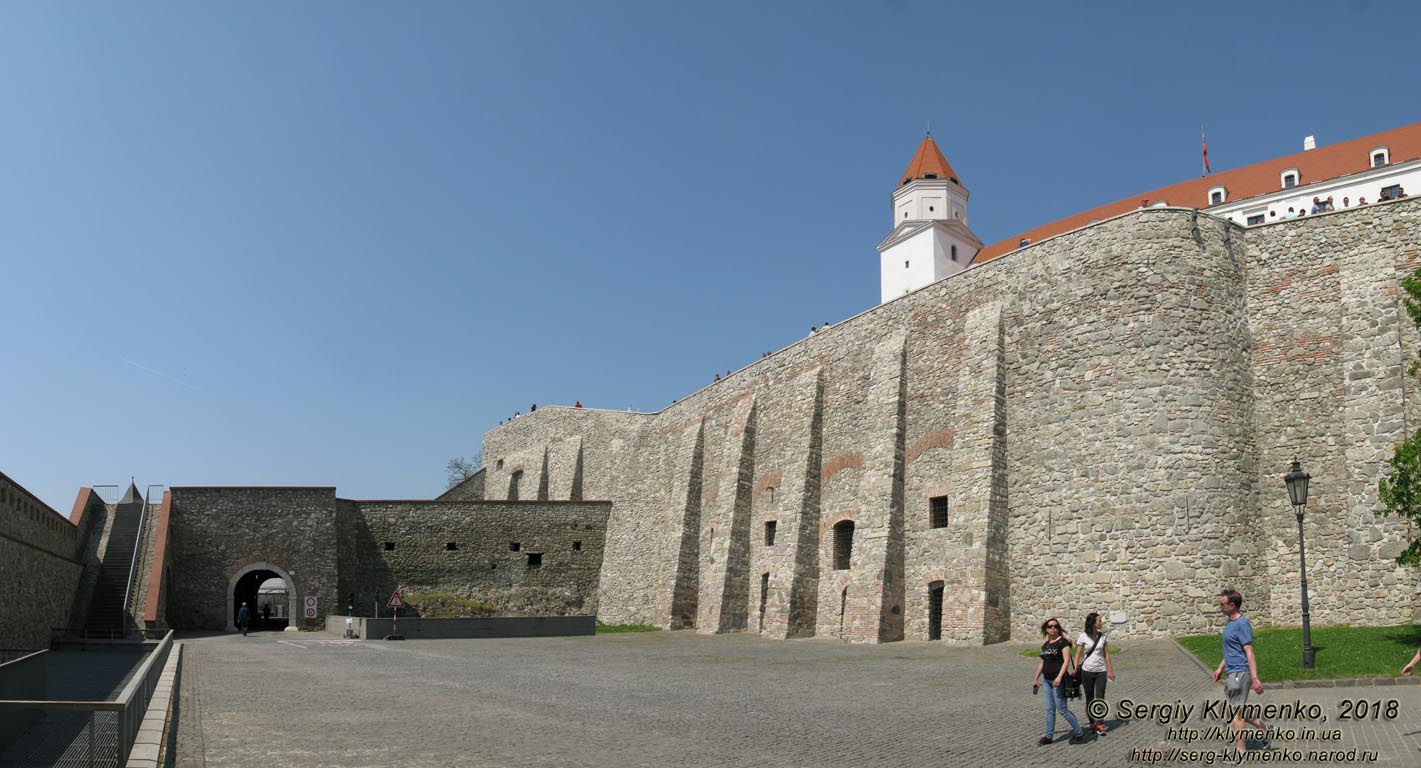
[577, 546]
[535, 560]
[843, 545]
[514, 546]
[937, 511]
[498, 464]
[770, 533]
[389, 546]
[451, 546]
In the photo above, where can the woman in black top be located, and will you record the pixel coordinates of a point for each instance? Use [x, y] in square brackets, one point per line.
[1055, 664]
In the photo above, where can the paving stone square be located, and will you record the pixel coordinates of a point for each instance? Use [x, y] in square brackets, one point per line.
[681, 699]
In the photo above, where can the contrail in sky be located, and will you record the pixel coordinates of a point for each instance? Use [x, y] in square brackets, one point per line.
[173, 379]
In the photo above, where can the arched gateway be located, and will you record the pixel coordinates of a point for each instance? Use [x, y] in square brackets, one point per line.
[243, 586]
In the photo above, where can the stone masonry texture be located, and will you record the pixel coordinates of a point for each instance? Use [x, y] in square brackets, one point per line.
[1108, 414]
[40, 557]
[332, 547]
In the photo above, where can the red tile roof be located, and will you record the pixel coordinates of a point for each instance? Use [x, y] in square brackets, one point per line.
[929, 160]
[1313, 165]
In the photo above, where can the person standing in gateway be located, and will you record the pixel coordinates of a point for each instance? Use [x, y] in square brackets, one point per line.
[1239, 669]
[244, 618]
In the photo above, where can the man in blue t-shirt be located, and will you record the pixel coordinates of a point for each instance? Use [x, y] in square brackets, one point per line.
[1238, 667]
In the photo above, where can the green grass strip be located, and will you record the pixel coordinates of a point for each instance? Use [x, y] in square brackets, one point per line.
[609, 629]
[1338, 652]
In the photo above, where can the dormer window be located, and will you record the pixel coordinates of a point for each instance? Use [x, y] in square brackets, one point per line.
[930, 175]
[1290, 178]
[1380, 157]
[1217, 195]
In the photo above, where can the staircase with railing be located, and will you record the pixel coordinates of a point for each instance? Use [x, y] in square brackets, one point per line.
[108, 611]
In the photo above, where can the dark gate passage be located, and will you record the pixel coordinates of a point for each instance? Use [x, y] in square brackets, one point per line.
[764, 594]
[247, 591]
[935, 611]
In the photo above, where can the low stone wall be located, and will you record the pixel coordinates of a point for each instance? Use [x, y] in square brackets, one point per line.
[448, 629]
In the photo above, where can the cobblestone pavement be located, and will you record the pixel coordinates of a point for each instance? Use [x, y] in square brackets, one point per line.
[682, 699]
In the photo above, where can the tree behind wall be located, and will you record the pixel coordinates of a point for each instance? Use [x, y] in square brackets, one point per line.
[1400, 490]
[460, 469]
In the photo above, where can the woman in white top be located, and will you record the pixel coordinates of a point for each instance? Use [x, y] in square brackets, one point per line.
[1093, 660]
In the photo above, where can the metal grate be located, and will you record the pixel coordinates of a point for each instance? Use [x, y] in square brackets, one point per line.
[937, 511]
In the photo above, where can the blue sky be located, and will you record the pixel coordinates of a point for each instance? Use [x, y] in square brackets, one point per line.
[332, 244]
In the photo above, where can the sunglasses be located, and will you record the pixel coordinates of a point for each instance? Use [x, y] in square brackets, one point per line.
[1053, 626]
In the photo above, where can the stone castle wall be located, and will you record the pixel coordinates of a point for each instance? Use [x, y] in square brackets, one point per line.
[1332, 345]
[331, 547]
[216, 532]
[483, 565]
[40, 551]
[1108, 413]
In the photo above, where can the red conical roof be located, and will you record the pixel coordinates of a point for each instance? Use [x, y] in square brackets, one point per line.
[929, 163]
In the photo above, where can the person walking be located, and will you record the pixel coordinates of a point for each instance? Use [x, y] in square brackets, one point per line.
[244, 618]
[1238, 668]
[1054, 665]
[1093, 660]
[1410, 665]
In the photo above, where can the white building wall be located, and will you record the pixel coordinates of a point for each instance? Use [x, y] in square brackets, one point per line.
[908, 265]
[1367, 184]
[929, 199]
[921, 260]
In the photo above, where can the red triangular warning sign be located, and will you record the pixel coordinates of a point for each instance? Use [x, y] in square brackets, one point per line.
[395, 601]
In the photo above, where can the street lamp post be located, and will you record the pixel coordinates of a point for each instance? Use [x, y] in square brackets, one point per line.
[1297, 482]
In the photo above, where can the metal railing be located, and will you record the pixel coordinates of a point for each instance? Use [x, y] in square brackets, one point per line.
[108, 494]
[128, 708]
[10, 654]
[140, 547]
[79, 634]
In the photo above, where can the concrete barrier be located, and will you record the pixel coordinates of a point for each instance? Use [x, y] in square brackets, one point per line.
[24, 679]
[448, 629]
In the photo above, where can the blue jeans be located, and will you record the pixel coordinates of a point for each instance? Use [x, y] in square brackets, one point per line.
[1056, 700]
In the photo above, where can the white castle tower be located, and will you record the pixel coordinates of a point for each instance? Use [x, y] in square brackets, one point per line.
[930, 239]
